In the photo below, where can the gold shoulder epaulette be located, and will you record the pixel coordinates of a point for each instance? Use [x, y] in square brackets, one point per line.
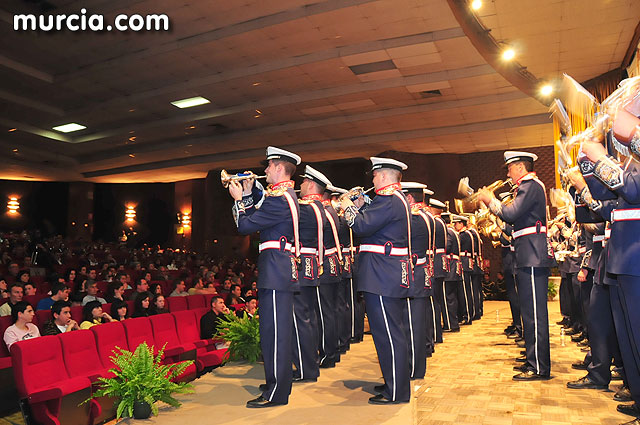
[276, 192]
[305, 201]
[415, 209]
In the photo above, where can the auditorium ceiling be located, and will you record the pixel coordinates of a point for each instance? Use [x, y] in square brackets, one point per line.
[330, 79]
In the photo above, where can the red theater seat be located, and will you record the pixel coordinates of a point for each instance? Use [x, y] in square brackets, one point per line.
[109, 336]
[138, 330]
[5, 322]
[81, 355]
[34, 299]
[43, 316]
[177, 304]
[196, 301]
[207, 355]
[42, 379]
[76, 313]
[164, 332]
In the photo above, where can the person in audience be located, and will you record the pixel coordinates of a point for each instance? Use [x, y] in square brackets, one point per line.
[22, 329]
[29, 289]
[115, 291]
[120, 310]
[77, 285]
[179, 289]
[159, 305]
[210, 320]
[235, 296]
[59, 291]
[147, 276]
[142, 286]
[61, 321]
[92, 275]
[92, 294]
[199, 288]
[4, 293]
[92, 315]
[141, 305]
[156, 289]
[250, 307]
[23, 277]
[14, 269]
[16, 292]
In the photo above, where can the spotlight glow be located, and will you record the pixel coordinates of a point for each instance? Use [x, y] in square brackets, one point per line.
[546, 90]
[508, 54]
[476, 4]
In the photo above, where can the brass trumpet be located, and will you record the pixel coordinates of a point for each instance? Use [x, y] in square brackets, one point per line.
[471, 203]
[226, 178]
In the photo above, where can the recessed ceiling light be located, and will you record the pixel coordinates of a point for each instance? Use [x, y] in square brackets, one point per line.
[12, 130]
[257, 116]
[508, 54]
[15, 150]
[190, 102]
[191, 127]
[546, 90]
[476, 4]
[132, 138]
[68, 128]
[256, 84]
[131, 155]
[132, 110]
[258, 111]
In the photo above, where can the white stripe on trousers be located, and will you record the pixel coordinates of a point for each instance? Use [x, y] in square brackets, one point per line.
[322, 322]
[393, 354]
[295, 324]
[535, 321]
[413, 354]
[446, 308]
[466, 299]
[275, 345]
[433, 314]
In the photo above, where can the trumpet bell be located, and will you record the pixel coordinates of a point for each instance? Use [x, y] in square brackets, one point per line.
[226, 178]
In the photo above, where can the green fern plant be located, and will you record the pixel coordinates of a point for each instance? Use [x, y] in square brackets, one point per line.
[141, 376]
[243, 335]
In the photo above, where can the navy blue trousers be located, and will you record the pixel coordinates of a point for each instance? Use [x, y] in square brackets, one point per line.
[565, 292]
[305, 333]
[450, 313]
[437, 284]
[326, 295]
[532, 289]
[514, 302]
[465, 298]
[585, 301]
[433, 323]
[386, 316]
[579, 320]
[625, 299]
[415, 325]
[478, 296]
[343, 324]
[602, 335]
[276, 330]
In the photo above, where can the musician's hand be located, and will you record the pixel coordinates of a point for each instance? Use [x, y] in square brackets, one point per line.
[582, 275]
[247, 185]
[235, 190]
[346, 203]
[359, 202]
[485, 195]
[593, 150]
[576, 179]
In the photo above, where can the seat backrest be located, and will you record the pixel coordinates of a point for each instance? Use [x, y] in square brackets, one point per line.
[80, 353]
[5, 322]
[177, 304]
[76, 313]
[34, 299]
[196, 301]
[103, 287]
[199, 312]
[37, 363]
[186, 321]
[207, 300]
[164, 330]
[138, 330]
[109, 336]
[43, 316]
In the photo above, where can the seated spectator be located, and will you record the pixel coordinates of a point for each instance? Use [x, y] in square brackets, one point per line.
[199, 288]
[119, 310]
[209, 321]
[115, 291]
[92, 276]
[60, 292]
[92, 294]
[156, 289]
[14, 269]
[141, 286]
[23, 277]
[159, 305]
[29, 289]
[250, 307]
[141, 304]
[61, 320]
[78, 286]
[226, 287]
[179, 289]
[15, 296]
[92, 315]
[22, 314]
[4, 293]
[236, 295]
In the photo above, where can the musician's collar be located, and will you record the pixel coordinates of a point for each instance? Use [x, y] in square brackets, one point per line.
[389, 189]
[289, 184]
[313, 197]
[530, 175]
[326, 202]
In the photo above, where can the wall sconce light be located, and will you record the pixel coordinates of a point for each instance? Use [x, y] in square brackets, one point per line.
[13, 205]
[130, 214]
[185, 220]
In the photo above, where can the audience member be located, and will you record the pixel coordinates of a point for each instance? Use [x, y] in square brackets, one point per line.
[61, 320]
[92, 315]
[29, 289]
[179, 289]
[210, 320]
[250, 307]
[235, 296]
[115, 291]
[23, 277]
[141, 286]
[159, 305]
[4, 293]
[199, 288]
[22, 329]
[141, 304]
[156, 289]
[92, 294]
[15, 296]
[59, 291]
[119, 310]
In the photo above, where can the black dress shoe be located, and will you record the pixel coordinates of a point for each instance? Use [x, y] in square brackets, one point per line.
[378, 388]
[583, 343]
[300, 380]
[354, 340]
[514, 335]
[530, 375]
[521, 359]
[562, 322]
[520, 343]
[455, 330]
[571, 331]
[579, 366]
[629, 409]
[585, 383]
[327, 364]
[262, 387]
[380, 399]
[623, 395]
[585, 349]
[616, 376]
[262, 402]
[578, 337]
[636, 421]
[521, 368]
[523, 352]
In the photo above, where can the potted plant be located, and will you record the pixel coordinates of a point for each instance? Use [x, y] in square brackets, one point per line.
[243, 336]
[552, 291]
[140, 379]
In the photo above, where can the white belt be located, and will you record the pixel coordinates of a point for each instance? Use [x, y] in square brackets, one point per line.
[582, 250]
[466, 254]
[529, 231]
[430, 252]
[330, 251]
[512, 248]
[598, 238]
[273, 245]
[421, 261]
[607, 233]
[624, 215]
[440, 251]
[454, 257]
[311, 251]
[380, 249]
[346, 250]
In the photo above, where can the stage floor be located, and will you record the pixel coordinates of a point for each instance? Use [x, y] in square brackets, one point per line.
[468, 382]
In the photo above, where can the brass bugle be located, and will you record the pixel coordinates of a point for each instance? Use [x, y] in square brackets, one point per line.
[226, 178]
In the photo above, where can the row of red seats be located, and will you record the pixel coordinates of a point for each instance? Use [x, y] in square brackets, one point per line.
[54, 372]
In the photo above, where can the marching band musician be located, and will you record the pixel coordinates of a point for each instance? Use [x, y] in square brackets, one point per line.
[305, 321]
[416, 318]
[277, 222]
[509, 271]
[465, 291]
[440, 266]
[528, 215]
[384, 273]
[477, 273]
[434, 317]
[454, 277]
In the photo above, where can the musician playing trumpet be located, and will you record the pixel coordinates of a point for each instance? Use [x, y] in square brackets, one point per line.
[533, 255]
